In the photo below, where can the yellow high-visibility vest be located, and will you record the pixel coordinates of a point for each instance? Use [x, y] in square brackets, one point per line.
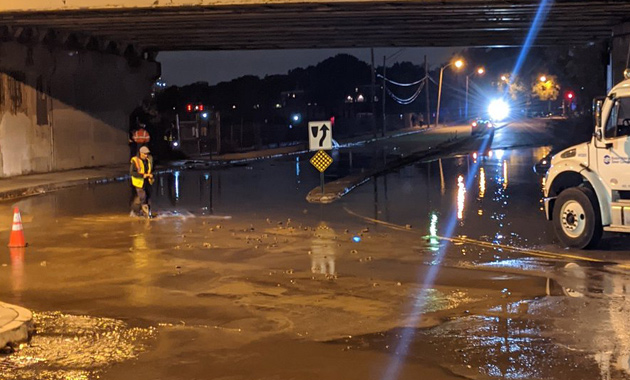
[139, 182]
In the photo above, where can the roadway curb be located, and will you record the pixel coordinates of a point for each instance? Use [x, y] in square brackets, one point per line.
[334, 190]
[20, 325]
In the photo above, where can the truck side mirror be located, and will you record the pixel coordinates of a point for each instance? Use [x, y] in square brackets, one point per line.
[597, 116]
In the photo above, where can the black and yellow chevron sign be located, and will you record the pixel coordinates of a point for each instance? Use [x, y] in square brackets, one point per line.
[321, 160]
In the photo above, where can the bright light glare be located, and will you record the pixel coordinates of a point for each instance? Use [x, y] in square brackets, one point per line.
[459, 63]
[543, 78]
[498, 110]
[481, 70]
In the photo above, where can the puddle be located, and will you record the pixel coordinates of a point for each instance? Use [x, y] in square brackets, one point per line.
[74, 347]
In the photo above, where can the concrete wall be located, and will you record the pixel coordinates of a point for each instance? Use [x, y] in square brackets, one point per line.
[66, 109]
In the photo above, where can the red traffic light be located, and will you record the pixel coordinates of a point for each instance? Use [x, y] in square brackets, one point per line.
[189, 107]
[201, 107]
[569, 95]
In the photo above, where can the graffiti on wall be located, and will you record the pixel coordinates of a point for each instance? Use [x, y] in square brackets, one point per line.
[12, 93]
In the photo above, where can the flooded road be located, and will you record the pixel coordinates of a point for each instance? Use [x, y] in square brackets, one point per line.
[445, 268]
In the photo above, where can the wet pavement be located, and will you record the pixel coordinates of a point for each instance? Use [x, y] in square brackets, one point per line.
[445, 268]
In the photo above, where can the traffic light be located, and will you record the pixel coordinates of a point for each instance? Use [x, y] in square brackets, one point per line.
[569, 95]
[194, 107]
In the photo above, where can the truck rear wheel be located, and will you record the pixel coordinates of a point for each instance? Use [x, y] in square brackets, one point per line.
[576, 218]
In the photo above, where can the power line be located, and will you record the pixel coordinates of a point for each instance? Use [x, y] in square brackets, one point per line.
[410, 99]
[402, 84]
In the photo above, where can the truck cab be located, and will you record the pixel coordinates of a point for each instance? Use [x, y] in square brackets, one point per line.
[587, 187]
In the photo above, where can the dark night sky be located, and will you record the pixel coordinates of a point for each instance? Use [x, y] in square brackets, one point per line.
[180, 68]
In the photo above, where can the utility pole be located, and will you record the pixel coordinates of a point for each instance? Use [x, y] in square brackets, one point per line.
[374, 130]
[426, 88]
[384, 95]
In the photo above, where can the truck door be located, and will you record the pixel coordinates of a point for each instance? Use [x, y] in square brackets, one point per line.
[613, 162]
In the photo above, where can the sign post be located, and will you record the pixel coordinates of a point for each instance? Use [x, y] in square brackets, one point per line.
[321, 161]
[320, 139]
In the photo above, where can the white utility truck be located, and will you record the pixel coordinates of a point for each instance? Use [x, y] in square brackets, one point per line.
[587, 187]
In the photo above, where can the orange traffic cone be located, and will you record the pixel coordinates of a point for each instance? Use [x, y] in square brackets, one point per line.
[16, 240]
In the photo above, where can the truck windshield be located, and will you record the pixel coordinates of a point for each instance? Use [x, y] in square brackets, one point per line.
[619, 121]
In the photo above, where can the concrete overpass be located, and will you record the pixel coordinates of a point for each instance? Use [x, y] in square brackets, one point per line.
[282, 24]
[71, 71]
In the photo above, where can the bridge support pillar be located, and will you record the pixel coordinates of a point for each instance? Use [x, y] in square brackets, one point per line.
[64, 109]
[619, 48]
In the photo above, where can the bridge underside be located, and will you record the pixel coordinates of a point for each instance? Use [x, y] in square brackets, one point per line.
[71, 71]
[319, 25]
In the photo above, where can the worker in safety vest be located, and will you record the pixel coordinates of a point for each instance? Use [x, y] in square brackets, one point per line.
[141, 171]
[139, 138]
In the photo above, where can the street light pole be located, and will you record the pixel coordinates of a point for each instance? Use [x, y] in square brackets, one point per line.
[459, 63]
[479, 71]
[426, 88]
[373, 94]
[437, 111]
[384, 94]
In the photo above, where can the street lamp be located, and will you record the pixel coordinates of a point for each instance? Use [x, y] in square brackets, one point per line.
[458, 64]
[479, 71]
[543, 78]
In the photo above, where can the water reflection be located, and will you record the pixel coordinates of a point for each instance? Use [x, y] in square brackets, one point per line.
[17, 270]
[461, 197]
[505, 175]
[602, 320]
[297, 169]
[324, 250]
[176, 175]
[141, 292]
[434, 242]
[482, 182]
[442, 184]
[205, 194]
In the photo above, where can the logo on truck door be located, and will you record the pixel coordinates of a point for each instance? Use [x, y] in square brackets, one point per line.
[606, 159]
[616, 160]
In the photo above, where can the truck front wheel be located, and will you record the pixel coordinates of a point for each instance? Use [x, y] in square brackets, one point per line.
[576, 218]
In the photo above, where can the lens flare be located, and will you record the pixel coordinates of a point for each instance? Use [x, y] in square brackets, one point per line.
[498, 110]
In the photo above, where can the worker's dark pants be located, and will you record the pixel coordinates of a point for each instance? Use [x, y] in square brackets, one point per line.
[142, 197]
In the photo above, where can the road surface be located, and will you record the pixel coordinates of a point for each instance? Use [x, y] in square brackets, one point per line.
[444, 268]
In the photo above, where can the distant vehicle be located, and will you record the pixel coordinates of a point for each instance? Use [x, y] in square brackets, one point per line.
[481, 126]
